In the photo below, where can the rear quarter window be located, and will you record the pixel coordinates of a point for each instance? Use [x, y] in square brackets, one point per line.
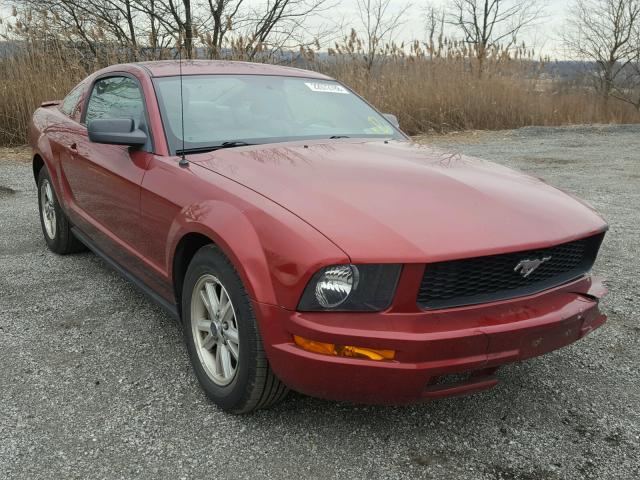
[70, 102]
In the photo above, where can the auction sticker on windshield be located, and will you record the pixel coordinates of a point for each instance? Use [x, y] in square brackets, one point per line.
[326, 87]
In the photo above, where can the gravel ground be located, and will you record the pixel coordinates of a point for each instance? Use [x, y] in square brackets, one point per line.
[95, 380]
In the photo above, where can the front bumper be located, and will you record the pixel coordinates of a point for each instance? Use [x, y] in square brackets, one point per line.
[429, 345]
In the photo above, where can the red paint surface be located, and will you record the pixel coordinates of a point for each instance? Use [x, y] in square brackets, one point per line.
[280, 212]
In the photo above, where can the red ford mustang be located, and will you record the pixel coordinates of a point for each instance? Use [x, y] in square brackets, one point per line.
[303, 241]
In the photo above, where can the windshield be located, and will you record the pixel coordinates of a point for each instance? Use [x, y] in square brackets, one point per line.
[251, 109]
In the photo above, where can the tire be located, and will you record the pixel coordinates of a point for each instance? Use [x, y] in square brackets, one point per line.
[56, 227]
[244, 382]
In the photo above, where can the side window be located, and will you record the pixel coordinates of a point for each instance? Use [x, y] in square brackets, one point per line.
[70, 102]
[115, 97]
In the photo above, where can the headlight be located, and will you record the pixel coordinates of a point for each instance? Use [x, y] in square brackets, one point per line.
[336, 284]
[351, 288]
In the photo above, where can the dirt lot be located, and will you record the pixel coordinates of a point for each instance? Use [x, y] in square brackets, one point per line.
[95, 380]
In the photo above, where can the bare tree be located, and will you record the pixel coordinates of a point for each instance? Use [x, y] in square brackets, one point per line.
[379, 23]
[119, 12]
[92, 23]
[70, 22]
[607, 32]
[222, 15]
[176, 17]
[279, 23]
[487, 24]
[147, 27]
[434, 24]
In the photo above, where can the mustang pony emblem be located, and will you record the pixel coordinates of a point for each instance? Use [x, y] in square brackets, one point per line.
[527, 267]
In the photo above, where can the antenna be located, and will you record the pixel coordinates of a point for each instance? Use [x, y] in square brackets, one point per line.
[183, 160]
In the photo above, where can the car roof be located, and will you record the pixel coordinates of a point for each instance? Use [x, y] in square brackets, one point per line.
[166, 68]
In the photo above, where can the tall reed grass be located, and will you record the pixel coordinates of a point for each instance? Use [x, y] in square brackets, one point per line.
[429, 88]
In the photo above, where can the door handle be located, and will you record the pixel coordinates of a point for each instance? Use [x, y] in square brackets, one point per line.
[74, 147]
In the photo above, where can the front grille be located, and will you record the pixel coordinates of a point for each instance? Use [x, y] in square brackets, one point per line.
[494, 277]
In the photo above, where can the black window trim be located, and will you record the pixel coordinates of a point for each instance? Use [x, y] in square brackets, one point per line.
[115, 74]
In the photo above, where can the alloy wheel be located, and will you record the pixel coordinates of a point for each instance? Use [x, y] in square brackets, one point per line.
[215, 330]
[47, 209]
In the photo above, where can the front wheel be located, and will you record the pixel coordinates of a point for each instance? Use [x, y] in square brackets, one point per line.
[223, 340]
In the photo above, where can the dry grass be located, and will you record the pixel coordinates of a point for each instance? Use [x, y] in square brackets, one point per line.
[439, 89]
[29, 78]
[15, 154]
[435, 90]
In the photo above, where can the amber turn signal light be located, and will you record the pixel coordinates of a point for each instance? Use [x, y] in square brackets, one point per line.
[343, 350]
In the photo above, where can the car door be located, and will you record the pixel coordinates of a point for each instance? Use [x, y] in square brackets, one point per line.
[104, 180]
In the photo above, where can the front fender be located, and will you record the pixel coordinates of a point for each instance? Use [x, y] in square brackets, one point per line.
[210, 217]
[274, 252]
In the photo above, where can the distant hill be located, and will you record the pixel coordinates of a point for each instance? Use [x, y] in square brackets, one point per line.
[565, 69]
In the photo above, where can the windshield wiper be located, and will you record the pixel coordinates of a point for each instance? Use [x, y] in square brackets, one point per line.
[211, 148]
[233, 143]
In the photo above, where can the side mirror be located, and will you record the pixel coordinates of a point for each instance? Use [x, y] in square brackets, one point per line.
[392, 118]
[116, 131]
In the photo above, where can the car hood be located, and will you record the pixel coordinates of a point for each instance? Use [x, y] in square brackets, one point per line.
[402, 202]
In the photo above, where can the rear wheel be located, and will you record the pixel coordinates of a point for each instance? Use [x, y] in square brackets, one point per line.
[223, 340]
[56, 227]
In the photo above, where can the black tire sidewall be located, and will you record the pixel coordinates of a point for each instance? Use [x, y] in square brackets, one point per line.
[209, 260]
